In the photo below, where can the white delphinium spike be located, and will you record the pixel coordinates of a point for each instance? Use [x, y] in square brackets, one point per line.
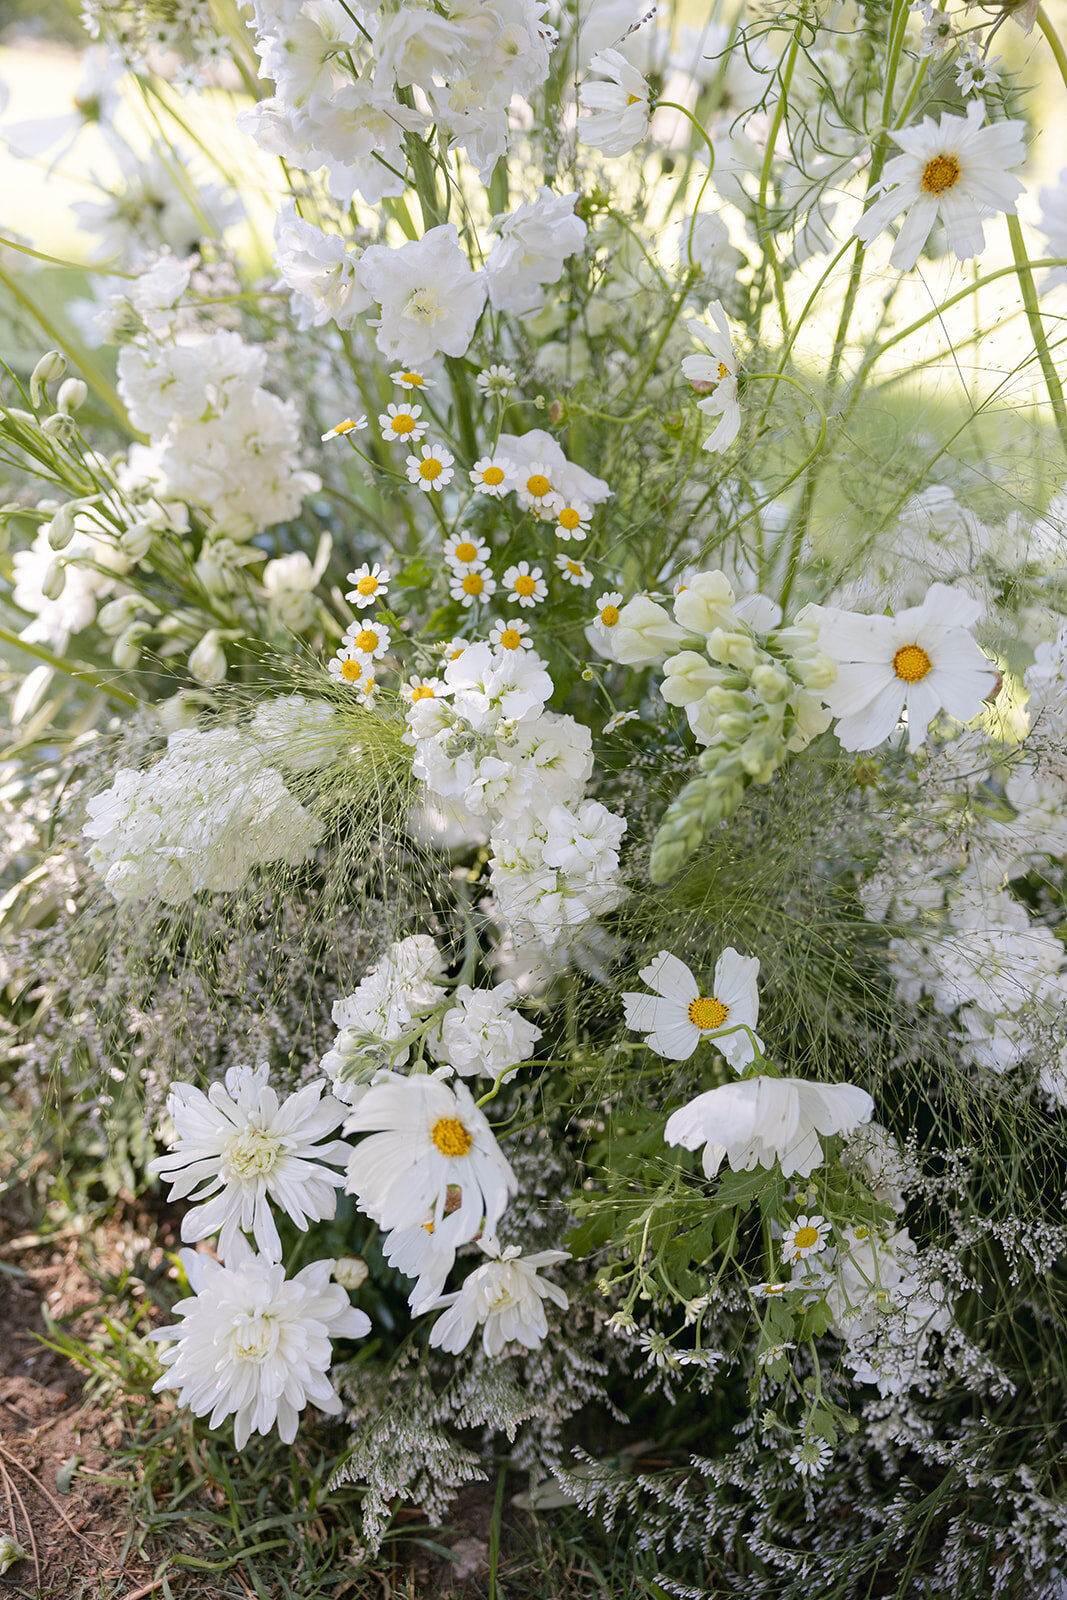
[505, 1297]
[762, 1120]
[677, 1016]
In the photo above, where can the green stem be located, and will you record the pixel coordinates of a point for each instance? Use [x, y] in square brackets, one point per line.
[82, 675]
[1037, 328]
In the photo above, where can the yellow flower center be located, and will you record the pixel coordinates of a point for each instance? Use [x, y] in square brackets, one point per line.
[422, 691]
[609, 616]
[345, 427]
[366, 640]
[942, 173]
[569, 518]
[538, 485]
[804, 1238]
[404, 423]
[251, 1153]
[351, 670]
[724, 371]
[492, 476]
[633, 99]
[524, 584]
[413, 378]
[575, 568]
[707, 1012]
[450, 1137]
[472, 583]
[511, 638]
[911, 663]
[367, 585]
[465, 551]
[430, 468]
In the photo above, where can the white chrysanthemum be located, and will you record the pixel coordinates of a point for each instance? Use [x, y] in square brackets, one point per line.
[923, 660]
[483, 1034]
[618, 105]
[426, 1138]
[762, 1120]
[955, 169]
[241, 1149]
[505, 1297]
[255, 1345]
[678, 1015]
[714, 375]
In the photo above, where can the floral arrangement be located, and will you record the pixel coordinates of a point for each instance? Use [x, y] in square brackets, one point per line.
[535, 791]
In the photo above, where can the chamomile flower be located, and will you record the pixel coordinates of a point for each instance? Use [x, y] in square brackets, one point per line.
[473, 587]
[369, 584]
[535, 488]
[606, 619]
[411, 380]
[773, 1353]
[678, 1015]
[493, 475]
[525, 584]
[805, 1237]
[714, 375]
[403, 423]
[349, 425]
[347, 666]
[511, 635]
[416, 689]
[464, 552]
[768, 1291]
[619, 720]
[369, 640]
[811, 1458]
[452, 649]
[573, 571]
[496, 382]
[572, 521]
[432, 468]
[366, 690]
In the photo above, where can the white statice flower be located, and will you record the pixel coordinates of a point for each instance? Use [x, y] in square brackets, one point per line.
[426, 1139]
[617, 104]
[430, 296]
[389, 1002]
[320, 270]
[242, 1150]
[204, 816]
[1053, 225]
[922, 661]
[505, 1297]
[956, 169]
[255, 1345]
[761, 1120]
[678, 1016]
[483, 1034]
[534, 242]
[714, 375]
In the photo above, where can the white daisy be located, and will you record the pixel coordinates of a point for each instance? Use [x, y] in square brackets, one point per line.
[411, 380]
[921, 661]
[805, 1237]
[370, 583]
[572, 521]
[761, 1120]
[493, 475]
[368, 640]
[956, 169]
[505, 1297]
[403, 423]
[254, 1345]
[473, 587]
[496, 382]
[525, 584]
[349, 425]
[715, 376]
[678, 1015]
[599, 631]
[511, 635]
[245, 1150]
[811, 1458]
[773, 1353]
[618, 105]
[347, 666]
[432, 468]
[534, 487]
[573, 571]
[416, 689]
[427, 1138]
[619, 720]
[464, 552]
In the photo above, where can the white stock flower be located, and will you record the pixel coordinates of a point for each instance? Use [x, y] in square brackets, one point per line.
[481, 1033]
[241, 1149]
[430, 296]
[505, 1297]
[254, 1345]
[678, 1016]
[761, 1120]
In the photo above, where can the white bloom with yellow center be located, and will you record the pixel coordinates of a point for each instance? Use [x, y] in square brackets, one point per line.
[525, 584]
[255, 1345]
[805, 1237]
[465, 553]
[402, 422]
[472, 587]
[349, 425]
[956, 169]
[416, 689]
[427, 1138]
[493, 475]
[535, 488]
[512, 634]
[496, 382]
[247, 1150]
[761, 1120]
[617, 105]
[922, 661]
[678, 1015]
[714, 375]
[599, 632]
[432, 468]
[347, 666]
[505, 1297]
[573, 571]
[572, 521]
[369, 640]
[369, 585]
[411, 380]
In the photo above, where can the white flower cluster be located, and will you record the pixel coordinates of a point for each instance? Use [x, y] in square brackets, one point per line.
[203, 816]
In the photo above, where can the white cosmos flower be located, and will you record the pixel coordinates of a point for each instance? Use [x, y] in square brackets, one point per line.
[421, 1253]
[923, 660]
[427, 1137]
[618, 106]
[248, 1149]
[762, 1120]
[505, 1297]
[678, 1015]
[953, 168]
[256, 1345]
[715, 376]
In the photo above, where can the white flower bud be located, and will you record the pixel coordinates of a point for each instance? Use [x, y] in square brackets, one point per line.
[207, 662]
[770, 683]
[126, 651]
[58, 426]
[136, 540]
[72, 394]
[181, 710]
[61, 528]
[350, 1272]
[117, 615]
[55, 580]
[48, 369]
